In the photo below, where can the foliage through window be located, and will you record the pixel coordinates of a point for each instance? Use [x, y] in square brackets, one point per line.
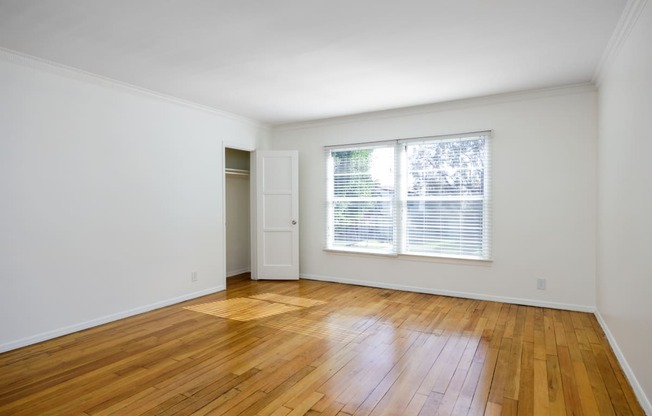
[419, 197]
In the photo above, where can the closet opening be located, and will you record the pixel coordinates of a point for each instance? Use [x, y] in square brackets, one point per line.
[237, 211]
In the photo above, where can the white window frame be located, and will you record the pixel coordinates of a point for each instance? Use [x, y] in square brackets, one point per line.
[400, 197]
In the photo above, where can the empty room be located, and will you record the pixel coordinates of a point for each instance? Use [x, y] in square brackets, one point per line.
[213, 207]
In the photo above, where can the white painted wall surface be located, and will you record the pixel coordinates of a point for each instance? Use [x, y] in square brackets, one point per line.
[624, 285]
[238, 241]
[109, 198]
[544, 188]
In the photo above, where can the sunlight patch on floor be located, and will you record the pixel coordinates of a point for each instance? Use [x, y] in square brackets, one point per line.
[255, 306]
[242, 309]
[290, 300]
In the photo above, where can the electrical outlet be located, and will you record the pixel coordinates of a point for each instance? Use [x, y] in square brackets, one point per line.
[541, 284]
[193, 276]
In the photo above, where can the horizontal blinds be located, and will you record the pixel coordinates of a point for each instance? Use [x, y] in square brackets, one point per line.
[426, 196]
[445, 206]
[361, 205]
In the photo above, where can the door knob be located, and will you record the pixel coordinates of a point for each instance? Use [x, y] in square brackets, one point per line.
[294, 222]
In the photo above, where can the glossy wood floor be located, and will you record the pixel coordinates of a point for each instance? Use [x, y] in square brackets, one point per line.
[314, 348]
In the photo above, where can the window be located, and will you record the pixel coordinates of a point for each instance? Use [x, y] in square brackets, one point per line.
[428, 197]
[362, 199]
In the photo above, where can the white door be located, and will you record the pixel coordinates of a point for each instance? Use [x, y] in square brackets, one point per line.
[277, 215]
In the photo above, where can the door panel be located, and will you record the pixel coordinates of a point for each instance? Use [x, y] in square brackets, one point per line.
[276, 253]
[278, 210]
[281, 167]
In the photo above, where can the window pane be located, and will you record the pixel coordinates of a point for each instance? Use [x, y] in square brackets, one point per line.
[363, 224]
[361, 207]
[445, 199]
[446, 168]
[445, 227]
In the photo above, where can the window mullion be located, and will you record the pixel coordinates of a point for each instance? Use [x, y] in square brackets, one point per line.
[400, 174]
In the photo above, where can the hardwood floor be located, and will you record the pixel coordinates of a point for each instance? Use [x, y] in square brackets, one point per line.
[315, 348]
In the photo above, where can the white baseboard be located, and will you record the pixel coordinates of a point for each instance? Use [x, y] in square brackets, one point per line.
[629, 373]
[468, 295]
[23, 342]
[238, 271]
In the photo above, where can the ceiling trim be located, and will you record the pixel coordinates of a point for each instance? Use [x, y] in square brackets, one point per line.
[443, 106]
[85, 76]
[625, 24]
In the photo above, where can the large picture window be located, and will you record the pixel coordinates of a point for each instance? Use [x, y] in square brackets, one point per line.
[428, 196]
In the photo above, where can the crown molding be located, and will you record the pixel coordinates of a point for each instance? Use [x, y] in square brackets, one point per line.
[443, 106]
[34, 62]
[624, 27]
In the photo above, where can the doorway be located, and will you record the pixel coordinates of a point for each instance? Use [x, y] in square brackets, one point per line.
[237, 211]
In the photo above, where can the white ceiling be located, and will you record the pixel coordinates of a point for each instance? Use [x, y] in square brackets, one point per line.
[295, 60]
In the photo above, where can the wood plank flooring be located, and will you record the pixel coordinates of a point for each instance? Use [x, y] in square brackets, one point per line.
[326, 349]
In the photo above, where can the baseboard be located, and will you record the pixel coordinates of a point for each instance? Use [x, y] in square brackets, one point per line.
[643, 400]
[12, 345]
[468, 295]
[238, 271]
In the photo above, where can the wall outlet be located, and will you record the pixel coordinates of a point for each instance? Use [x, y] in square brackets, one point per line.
[541, 284]
[193, 276]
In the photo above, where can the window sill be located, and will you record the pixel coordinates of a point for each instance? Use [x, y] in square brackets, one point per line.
[416, 257]
[358, 253]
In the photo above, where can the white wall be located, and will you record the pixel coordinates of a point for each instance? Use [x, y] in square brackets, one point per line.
[544, 187]
[624, 285]
[109, 198]
[238, 241]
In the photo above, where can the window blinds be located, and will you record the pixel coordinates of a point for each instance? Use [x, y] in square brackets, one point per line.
[426, 196]
[361, 201]
[445, 201]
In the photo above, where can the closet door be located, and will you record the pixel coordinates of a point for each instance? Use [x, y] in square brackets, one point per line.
[277, 215]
